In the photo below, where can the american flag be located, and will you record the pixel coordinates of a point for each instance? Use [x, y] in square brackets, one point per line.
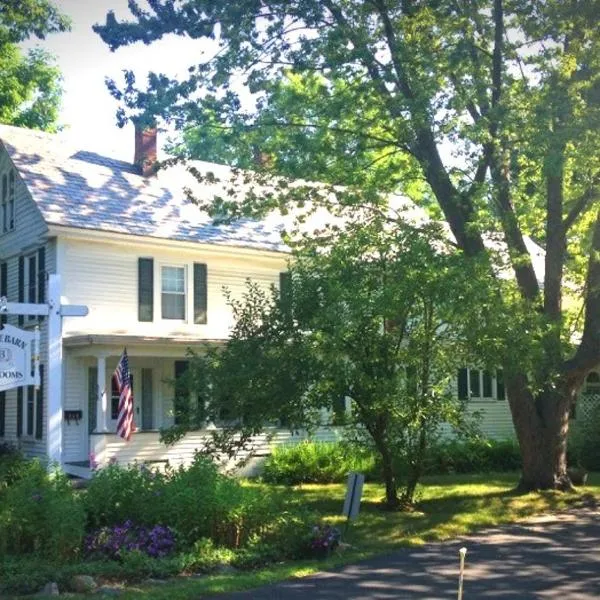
[122, 378]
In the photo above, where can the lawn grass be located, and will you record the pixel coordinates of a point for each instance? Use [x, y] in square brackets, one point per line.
[448, 507]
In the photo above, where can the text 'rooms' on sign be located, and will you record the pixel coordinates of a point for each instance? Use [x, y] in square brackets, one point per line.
[19, 357]
[353, 495]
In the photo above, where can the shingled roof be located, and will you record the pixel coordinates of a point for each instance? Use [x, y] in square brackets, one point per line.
[78, 188]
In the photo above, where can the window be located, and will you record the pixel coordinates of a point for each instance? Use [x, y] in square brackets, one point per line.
[4, 202]
[480, 384]
[11, 201]
[172, 281]
[8, 201]
[31, 280]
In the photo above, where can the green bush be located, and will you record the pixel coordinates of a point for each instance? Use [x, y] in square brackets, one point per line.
[320, 462]
[196, 502]
[39, 513]
[315, 462]
[473, 456]
[116, 494]
[12, 465]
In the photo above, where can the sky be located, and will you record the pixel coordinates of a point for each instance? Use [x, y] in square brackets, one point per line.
[88, 110]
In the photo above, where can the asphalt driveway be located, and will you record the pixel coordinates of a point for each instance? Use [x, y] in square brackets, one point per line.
[549, 557]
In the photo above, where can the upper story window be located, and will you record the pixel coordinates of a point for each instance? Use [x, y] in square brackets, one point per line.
[172, 287]
[32, 280]
[480, 384]
[8, 201]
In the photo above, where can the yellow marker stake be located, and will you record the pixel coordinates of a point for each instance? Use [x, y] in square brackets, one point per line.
[462, 553]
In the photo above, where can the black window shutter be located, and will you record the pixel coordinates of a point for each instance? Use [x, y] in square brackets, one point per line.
[200, 294]
[181, 391]
[39, 409]
[463, 385]
[3, 286]
[41, 283]
[21, 283]
[19, 412]
[2, 413]
[145, 289]
[500, 392]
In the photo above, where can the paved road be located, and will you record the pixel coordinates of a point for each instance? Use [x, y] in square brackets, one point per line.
[550, 557]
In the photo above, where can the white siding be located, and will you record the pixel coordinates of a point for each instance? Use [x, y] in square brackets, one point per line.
[105, 277]
[147, 448]
[29, 234]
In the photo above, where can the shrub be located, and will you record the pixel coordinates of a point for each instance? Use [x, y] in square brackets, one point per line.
[12, 465]
[117, 494]
[40, 514]
[473, 456]
[113, 542]
[315, 462]
[196, 502]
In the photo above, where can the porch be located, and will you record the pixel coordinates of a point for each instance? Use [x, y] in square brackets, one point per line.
[89, 436]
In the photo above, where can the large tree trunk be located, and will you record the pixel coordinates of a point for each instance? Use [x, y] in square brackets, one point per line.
[542, 424]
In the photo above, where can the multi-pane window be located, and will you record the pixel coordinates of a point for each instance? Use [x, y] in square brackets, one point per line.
[31, 280]
[11, 200]
[172, 283]
[8, 201]
[480, 384]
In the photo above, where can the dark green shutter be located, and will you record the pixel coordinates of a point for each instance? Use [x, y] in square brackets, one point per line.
[92, 398]
[2, 413]
[3, 287]
[19, 412]
[200, 294]
[474, 386]
[181, 391]
[30, 409]
[487, 384]
[39, 409]
[500, 393]
[41, 291]
[147, 408]
[21, 284]
[145, 289]
[463, 384]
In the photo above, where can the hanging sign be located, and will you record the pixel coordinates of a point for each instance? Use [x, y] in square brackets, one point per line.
[19, 357]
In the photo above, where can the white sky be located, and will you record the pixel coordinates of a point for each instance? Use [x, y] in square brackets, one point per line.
[88, 111]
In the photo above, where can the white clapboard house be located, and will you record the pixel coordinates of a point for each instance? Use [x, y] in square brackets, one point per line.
[151, 270]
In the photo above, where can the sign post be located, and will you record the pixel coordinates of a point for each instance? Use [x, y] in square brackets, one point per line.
[20, 356]
[353, 496]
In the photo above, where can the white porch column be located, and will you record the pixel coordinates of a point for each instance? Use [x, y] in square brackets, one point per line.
[55, 374]
[102, 403]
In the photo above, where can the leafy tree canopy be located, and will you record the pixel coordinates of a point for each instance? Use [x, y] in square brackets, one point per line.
[381, 318]
[486, 111]
[30, 83]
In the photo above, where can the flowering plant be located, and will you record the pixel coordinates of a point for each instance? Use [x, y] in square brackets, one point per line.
[324, 539]
[111, 542]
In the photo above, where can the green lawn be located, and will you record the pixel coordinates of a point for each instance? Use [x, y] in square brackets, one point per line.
[448, 506]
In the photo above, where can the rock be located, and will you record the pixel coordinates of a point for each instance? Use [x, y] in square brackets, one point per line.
[106, 590]
[83, 584]
[50, 589]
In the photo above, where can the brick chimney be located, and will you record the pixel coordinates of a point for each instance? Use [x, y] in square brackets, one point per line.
[145, 149]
